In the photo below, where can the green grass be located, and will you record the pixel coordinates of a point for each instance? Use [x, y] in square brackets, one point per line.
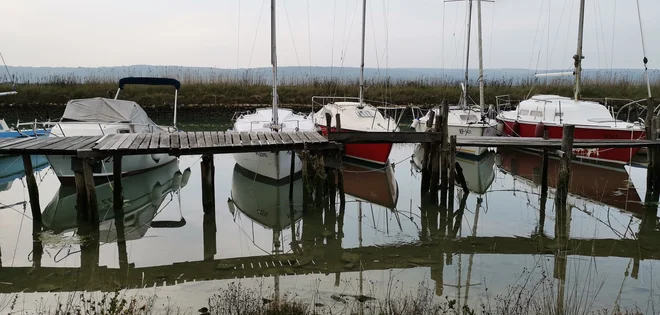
[422, 91]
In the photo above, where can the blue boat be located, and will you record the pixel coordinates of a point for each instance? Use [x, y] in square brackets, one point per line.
[11, 168]
[6, 132]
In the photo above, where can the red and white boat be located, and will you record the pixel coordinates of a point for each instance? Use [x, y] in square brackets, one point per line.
[592, 121]
[357, 116]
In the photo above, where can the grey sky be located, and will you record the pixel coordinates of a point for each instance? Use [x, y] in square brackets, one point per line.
[400, 33]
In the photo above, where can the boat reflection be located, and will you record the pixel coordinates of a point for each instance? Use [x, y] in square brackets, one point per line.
[373, 185]
[590, 183]
[144, 194]
[477, 170]
[11, 168]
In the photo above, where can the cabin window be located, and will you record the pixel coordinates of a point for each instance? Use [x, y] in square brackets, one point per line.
[536, 113]
[523, 112]
[559, 114]
[365, 113]
[123, 131]
[468, 118]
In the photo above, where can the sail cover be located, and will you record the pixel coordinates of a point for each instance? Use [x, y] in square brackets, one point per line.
[105, 110]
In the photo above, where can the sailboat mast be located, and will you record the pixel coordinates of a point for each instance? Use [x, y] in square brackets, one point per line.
[481, 57]
[467, 53]
[646, 60]
[578, 57]
[273, 58]
[364, 20]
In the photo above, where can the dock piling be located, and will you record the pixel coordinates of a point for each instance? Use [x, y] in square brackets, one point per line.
[208, 183]
[444, 151]
[33, 189]
[564, 173]
[452, 172]
[544, 184]
[426, 161]
[117, 192]
[86, 203]
[435, 158]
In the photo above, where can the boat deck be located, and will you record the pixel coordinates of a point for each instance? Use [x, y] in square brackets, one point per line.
[177, 144]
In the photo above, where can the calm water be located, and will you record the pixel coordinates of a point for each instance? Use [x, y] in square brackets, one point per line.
[499, 240]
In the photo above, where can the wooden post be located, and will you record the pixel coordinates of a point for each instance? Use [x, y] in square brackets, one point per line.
[291, 174]
[435, 159]
[117, 193]
[656, 156]
[460, 178]
[328, 122]
[650, 106]
[426, 161]
[81, 192]
[209, 230]
[564, 174]
[33, 189]
[444, 159]
[90, 190]
[452, 171]
[337, 123]
[208, 183]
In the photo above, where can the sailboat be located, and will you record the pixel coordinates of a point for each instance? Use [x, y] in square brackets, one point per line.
[592, 120]
[465, 120]
[359, 116]
[272, 165]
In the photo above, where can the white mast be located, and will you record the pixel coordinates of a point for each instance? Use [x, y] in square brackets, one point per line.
[481, 58]
[578, 57]
[273, 59]
[467, 53]
[364, 16]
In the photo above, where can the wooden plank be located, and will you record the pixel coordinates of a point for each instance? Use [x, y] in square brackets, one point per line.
[164, 141]
[155, 139]
[121, 141]
[108, 142]
[183, 140]
[269, 138]
[303, 136]
[236, 139]
[318, 136]
[48, 141]
[30, 143]
[138, 141]
[174, 140]
[245, 138]
[286, 139]
[192, 140]
[201, 141]
[87, 141]
[254, 139]
[2, 140]
[127, 143]
[262, 138]
[62, 143]
[277, 138]
[295, 137]
[218, 139]
[208, 139]
[9, 144]
[146, 142]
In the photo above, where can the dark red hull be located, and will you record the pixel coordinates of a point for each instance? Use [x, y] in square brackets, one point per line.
[376, 153]
[617, 155]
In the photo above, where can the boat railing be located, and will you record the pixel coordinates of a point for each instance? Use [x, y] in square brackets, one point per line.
[252, 123]
[628, 107]
[502, 102]
[101, 125]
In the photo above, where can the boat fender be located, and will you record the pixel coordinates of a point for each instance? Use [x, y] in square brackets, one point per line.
[155, 157]
[498, 159]
[515, 129]
[185, 177]
[538, 132]
[176, 181]
[414, 124]
[230, 206]
[157, 195]
[500, 128]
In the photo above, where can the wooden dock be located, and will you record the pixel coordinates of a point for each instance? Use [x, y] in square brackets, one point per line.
[177, 144]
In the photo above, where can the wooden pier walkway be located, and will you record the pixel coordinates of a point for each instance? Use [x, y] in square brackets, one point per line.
[178, 143]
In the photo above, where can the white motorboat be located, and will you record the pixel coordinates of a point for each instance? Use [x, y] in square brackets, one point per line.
[272, 165]
[102, 116]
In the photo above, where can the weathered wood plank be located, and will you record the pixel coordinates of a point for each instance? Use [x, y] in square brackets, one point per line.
[174, 140]
[318, 136]
[124, 137]
[262, 138]
[127, 143]
[108, 142]
[254, 139]
[62, 142]
[303, 136]
[285, 138]
[236, 139]
[147, 141]
[9, 144]
[221, 138]
[269, 138]
[295, 137]
[164, 141]
[91, 142]
[277, 138]
[208, 138]
[48, 141]
[245, 138]
[153, 143]
[201, 142]
[138, 141]
[183, 140]
[30, 143]
[192, 140]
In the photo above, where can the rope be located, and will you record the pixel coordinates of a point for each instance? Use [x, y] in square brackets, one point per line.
[645, 60]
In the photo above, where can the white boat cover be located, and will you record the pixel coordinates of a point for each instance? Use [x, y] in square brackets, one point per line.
[100, 109]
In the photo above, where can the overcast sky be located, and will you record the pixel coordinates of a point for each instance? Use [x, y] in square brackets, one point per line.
[533, 34]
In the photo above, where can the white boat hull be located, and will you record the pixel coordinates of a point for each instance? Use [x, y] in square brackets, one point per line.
[131, 165]
[272, 165]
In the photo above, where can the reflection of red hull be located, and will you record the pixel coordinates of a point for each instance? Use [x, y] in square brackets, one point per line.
[621, 155]
[597, 183]
[377, 186]
[376, 153]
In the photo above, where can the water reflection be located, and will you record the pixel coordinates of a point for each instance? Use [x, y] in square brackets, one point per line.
[11, 168]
